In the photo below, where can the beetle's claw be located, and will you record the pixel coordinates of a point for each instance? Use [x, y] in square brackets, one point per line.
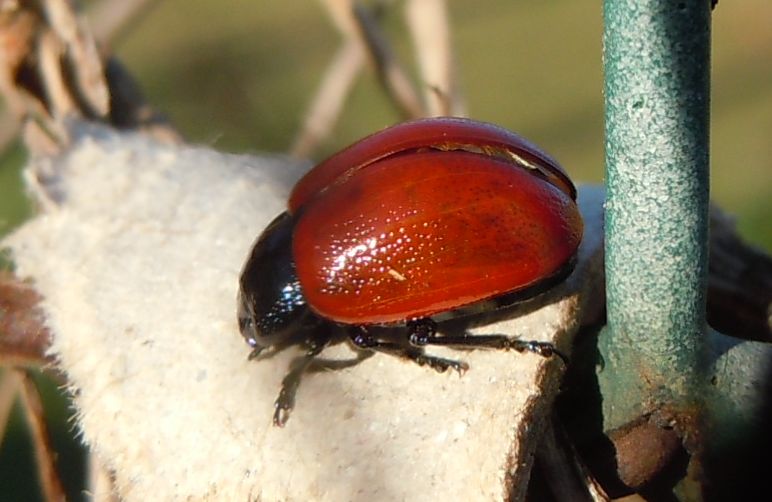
[546, 349]
[281, 413]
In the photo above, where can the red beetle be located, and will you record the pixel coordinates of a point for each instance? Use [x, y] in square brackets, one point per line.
[421, 222]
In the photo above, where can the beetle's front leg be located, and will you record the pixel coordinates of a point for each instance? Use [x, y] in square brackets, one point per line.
[290, 383]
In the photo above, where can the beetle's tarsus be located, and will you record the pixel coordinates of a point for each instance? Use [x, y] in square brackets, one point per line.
[423, 332]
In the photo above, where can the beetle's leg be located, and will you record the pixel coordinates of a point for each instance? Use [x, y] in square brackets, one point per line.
[289, 385]
[422, 332]
[364, 340]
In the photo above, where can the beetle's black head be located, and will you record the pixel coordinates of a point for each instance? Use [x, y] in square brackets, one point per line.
[272, 308]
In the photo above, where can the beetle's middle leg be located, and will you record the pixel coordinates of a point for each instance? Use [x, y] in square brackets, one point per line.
[362, 339]
[423, 332]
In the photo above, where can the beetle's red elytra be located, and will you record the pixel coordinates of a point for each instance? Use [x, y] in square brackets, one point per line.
[423, 221]
[413, 235]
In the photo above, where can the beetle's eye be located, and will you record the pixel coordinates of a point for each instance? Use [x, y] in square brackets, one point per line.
[247, 328]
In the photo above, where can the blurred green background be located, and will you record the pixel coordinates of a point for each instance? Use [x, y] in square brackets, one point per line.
[239, 75]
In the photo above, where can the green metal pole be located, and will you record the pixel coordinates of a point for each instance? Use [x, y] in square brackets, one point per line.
[658, 355]
[656, 62]
[656, 347]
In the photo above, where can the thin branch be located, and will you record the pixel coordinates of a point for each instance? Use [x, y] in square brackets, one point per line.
[9, 388]
[361, 35]
[339, 77]
[393, 78]
[79, 51]
[430, 29]
[45, 455]
[58, 100]
[330, 97]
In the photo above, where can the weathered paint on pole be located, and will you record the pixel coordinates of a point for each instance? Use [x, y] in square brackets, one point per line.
[657, 90]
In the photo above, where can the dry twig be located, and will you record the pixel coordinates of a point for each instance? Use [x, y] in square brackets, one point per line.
[362, 36]
[430, 29]
[51, 67]
[391, 74]
[339, 77]
[45, 456]
[9, 386]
